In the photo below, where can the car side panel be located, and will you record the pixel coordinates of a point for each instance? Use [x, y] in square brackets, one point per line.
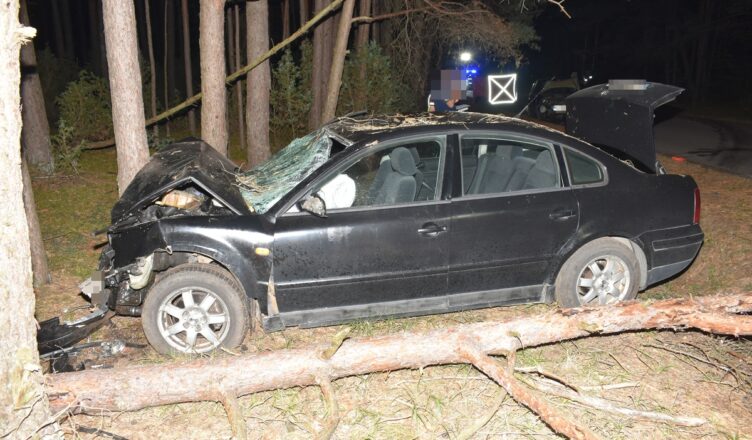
[641, 207]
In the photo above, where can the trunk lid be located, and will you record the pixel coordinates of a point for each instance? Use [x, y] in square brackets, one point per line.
[619, 116]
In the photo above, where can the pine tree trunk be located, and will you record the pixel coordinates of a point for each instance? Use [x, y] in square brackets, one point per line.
[239, 84]
[338, 61]
[39, 265]
[152, 66]
[168, 63]
[212, 52]
[259, 82]
[362, 46]
[322, 59]
[35, 136]
[23, 404]
[285, 18]
[304, 12]
[125, 89]
[364, 9]
[187, 63]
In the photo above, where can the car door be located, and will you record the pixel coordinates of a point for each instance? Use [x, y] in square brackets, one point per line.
[512, 216]
[381, 252]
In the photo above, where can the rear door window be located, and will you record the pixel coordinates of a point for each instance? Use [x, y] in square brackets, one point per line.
[496, 165]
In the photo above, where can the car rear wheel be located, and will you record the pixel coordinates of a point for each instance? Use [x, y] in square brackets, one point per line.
[195, 308]
[604, 271]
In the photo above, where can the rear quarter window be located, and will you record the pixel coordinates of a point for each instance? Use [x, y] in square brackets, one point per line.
[582, 169]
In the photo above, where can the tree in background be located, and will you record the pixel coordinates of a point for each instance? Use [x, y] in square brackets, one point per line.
[212, 60]
[125, 89]
[322, 59]
[35, 140]
[152, 66]
[237, 51]
[259, 82]
[36, 131]
[338, 61]
[187, 63]
[24, 410]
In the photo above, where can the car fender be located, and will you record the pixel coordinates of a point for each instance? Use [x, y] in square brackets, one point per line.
[578, 240]
[229, 241]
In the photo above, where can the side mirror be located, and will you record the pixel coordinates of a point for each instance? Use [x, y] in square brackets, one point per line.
[315, 205]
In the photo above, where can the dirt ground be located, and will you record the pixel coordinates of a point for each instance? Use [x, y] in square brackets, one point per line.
[683, 373]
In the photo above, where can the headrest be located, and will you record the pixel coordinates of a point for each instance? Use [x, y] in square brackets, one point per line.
[402, 161]
[544, 162]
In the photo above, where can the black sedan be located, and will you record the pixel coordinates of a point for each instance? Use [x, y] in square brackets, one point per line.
[371, 217]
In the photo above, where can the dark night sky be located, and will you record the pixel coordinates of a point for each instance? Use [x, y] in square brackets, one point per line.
[653, 39]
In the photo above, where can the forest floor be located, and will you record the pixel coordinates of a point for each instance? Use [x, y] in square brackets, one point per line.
[682, 373]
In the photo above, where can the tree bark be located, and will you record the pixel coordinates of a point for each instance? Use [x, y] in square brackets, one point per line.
[138, 387]
[285, 18]
[152, 66]
[168, 64]
[364, 9]
[40, 267]
[125, 89]
[322, 59]
[211, 41]
[239, 85]
[35, 136]
[338, 61]
[23, 403]
[303, 11]
[187, 63]
[259, 82]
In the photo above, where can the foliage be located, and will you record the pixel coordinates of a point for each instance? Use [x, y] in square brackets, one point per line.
[499, 30]
[85, 107]
[290, 97]
[64, 147]
[368, 83]
[54, 74]
[157, 142]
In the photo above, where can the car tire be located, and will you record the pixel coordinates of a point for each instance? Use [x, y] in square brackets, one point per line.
[604, 271]
[195, 308]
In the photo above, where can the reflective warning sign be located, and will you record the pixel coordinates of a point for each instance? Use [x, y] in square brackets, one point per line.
[502, 89]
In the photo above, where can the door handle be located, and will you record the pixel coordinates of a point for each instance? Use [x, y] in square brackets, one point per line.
[561, 214]
[431, 230]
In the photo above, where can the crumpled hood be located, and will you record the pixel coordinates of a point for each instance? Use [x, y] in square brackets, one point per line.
[190, 160]
[619, 115]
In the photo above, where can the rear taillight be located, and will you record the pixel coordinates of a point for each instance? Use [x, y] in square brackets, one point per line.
[696, 215]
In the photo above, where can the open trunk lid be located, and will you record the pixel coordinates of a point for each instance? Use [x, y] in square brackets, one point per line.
[188, 161]
[619, 116]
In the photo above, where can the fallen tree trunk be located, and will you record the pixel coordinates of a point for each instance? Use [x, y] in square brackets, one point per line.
[137, 387]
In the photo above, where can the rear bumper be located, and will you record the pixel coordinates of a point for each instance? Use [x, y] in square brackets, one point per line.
[670, 251]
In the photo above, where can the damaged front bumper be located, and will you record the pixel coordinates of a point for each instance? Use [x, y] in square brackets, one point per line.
[55, 335]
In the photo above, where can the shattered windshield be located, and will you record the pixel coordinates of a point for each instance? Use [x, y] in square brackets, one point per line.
[264, 185]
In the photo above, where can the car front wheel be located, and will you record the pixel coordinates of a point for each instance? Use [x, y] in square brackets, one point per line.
[195, 308]
[604, 271]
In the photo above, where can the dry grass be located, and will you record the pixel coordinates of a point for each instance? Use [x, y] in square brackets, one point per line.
[440, 402]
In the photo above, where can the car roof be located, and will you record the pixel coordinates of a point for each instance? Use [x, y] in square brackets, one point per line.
[359, 128]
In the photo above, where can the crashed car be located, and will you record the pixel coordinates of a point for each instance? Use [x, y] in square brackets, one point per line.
[372, 217]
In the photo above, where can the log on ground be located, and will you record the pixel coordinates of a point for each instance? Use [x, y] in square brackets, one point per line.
[133, 388]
